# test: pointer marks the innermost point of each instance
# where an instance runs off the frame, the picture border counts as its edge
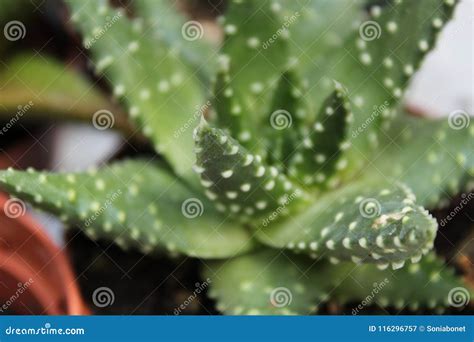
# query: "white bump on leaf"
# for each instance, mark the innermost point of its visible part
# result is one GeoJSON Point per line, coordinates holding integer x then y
{"type": "Point", "coordinates": [227, 173]}
{"type": "Point", "coordinates": [245, 187]}
{"type": "Point", "coordinates": [330, 244]}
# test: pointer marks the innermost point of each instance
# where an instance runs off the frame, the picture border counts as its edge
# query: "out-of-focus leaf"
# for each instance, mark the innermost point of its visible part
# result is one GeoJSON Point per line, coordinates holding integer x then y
{"type": "Point", "coordinates": [38, 87]}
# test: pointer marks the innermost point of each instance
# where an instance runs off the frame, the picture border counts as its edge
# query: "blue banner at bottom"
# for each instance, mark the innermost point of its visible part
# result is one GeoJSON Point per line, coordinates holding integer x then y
{"type": "Point", "coordinates": [245, 329]}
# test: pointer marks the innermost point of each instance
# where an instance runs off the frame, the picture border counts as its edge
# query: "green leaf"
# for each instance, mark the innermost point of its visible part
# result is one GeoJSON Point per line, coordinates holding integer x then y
{"type": "Point", "coordinates": [223, 103]}
{"type": "Point", "coordinates": [249, 285]}
{"type": "Point", "coordinates": [319, 156]}
{"type": "Point", "coordinates": [51, 90]}
{"type": "Point", "coordinates": [377, 61]}
{"type": "Point", "coordinates": [427, 285]}
{"type": "Point", "coordinates": [435, 158]}
{"type": "Point", "coordinates": [163, 95]}
{"type": "Point", "coordinates": [390, 45]}
{"type": "Point", "coordinates": [374, 222]}
{"type": "Point", "coordinates": [286, 117]}
{"type": "Point", "coordinates": [239, 181]}
{"type": "Point", "coordinates": [318, 29]}
{"type": "Point", "coordinates": [187, 37]}
{"type": "Point", "coordinates": [265, 283]}
{"type": "Point", "coordinates": [134, 203]}
{"type": "Point", "coordinates": [255, 63]}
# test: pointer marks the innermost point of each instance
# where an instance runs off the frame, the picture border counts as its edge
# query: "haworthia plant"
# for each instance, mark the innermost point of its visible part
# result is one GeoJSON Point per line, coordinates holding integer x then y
{"type": "Point", "coordinates": [301, 168]}
{"type": "Point", "coordinates": [270, 282]}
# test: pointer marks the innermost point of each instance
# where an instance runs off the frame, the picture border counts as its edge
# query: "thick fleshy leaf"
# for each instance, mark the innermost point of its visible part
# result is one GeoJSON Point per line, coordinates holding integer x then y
{"type": "Point", "coordinates": [256, 63]}
{"type": "Point", "coordinates": [319, 155]}
{"type": "Point", "coordinates": [134, 203]}
{"type": "Point", "coordinates": [374, 222]}
{"type": "Point", "coordinates": [377, 61]}
{"type": "Point", "coordinates": [318, 28]}
{"type": "Point", "coordinates": [391, 43]}
{"type": "Point", "coordinates": [46, 89]}
{"type": "Point", "coordinates": [227, 112]}
{"type": "Point", "coordinates": [286, 118]}
{"type": "Point", "coordinates": [238, 181]}
{"type": "Point", "coordinates": [270, 282]}
{"type": "Point", "coordinates": [429, 284]}
{"type": "Point", "coordinates": [435, 158]}
{"type": "Point", "coordinates": [265, 283]}
{"type": "Point", "coordinates": [162, 93]}
{"type": "Point", "coordinates": [186, 36]}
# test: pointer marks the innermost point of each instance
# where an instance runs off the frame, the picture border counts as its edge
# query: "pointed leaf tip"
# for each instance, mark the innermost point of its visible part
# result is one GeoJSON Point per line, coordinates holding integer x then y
{"type": "Point", "coordinates": [238, 181]}
{"type": "Point", "coordinates": [365, 222]}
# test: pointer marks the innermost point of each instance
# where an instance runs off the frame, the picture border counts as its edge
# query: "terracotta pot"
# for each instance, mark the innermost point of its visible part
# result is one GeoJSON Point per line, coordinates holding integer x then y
{"type": "Point", "coordinates": [35, 275]}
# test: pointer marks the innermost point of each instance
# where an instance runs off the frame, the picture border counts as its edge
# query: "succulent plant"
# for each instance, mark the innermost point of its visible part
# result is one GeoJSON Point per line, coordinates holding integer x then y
{"type": "Point", "coordinates": [284, 159]}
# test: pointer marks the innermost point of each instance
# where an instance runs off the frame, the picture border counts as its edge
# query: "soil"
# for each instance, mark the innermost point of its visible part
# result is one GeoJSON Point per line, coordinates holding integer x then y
{"type": "Point", "coordinates": [141, 284]}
